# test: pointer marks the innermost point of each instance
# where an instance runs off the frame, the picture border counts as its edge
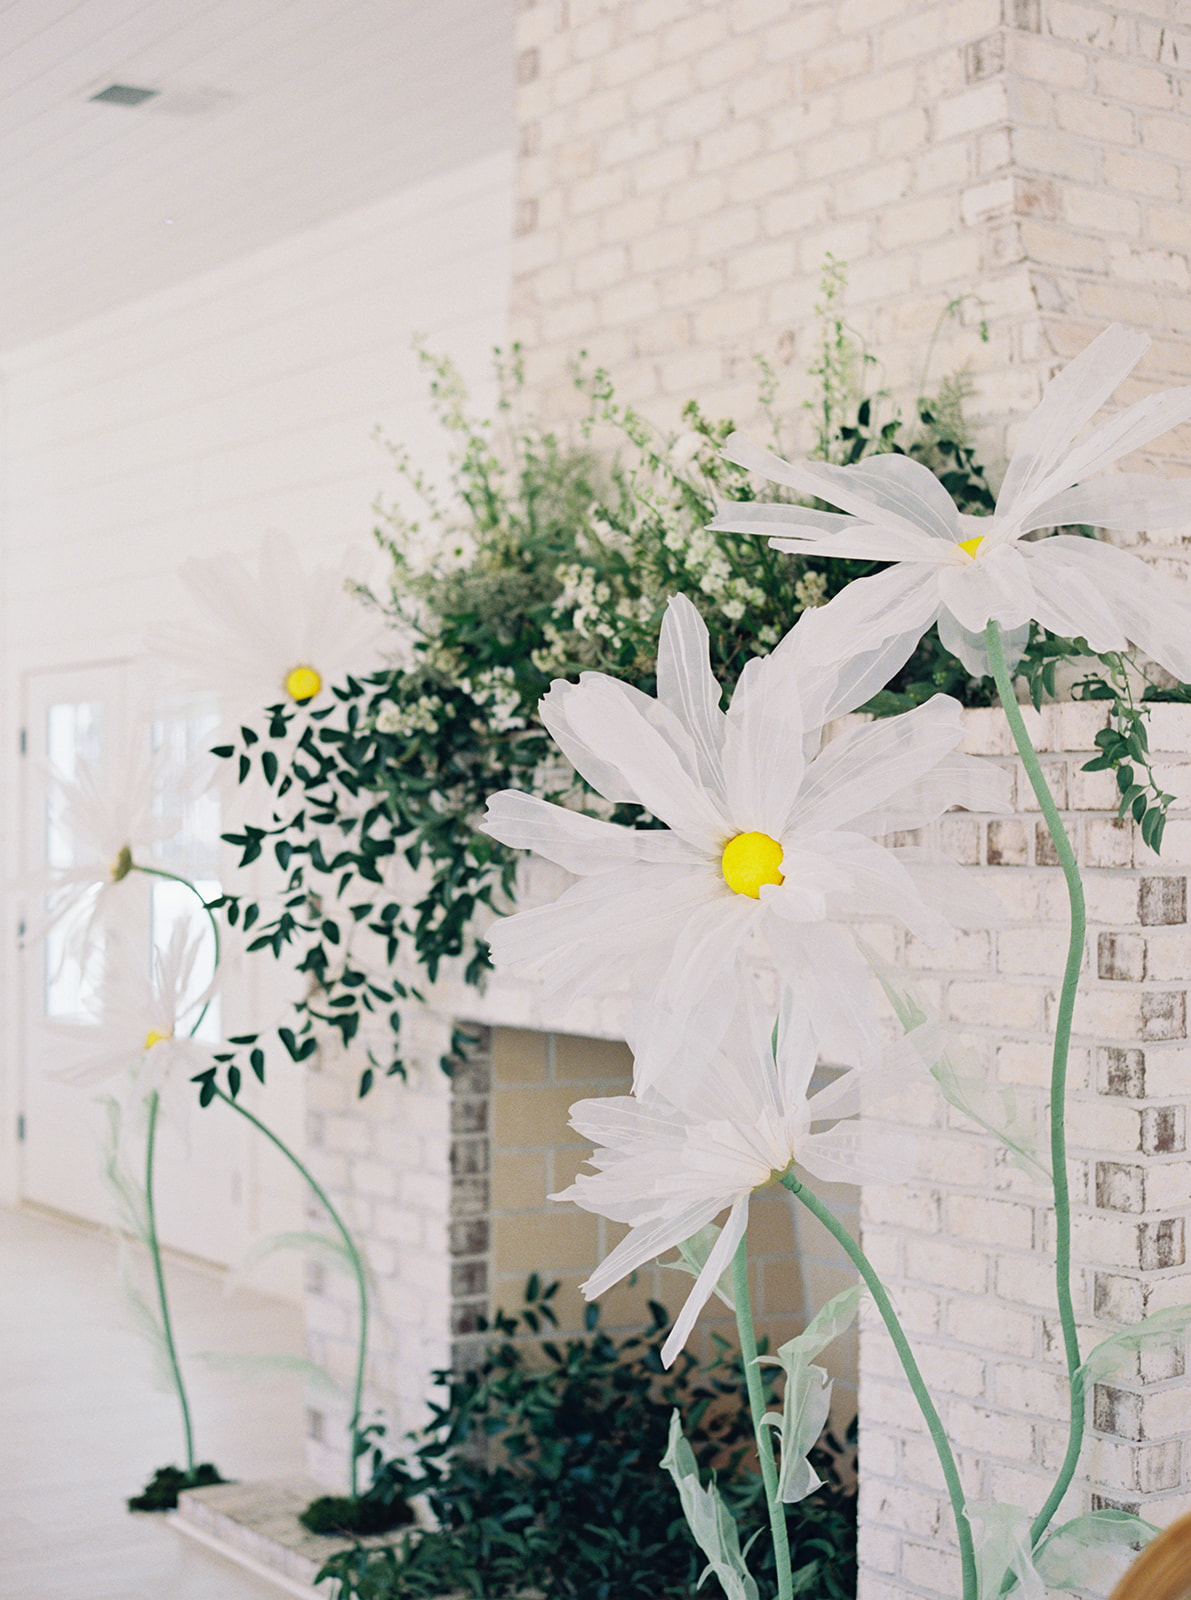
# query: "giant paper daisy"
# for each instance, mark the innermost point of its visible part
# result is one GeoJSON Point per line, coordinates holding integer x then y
{"type": "Point", "coordinates": [145, 1024]}
{"type": "Point", "coordinates": [102, 824]}
{"type": "Point", "coordinates": [964, 571]}
{"type": "Point", "coordinates": [669, 1162]}
{"type": "Point", "coordinates": [283, 634]}
{"type": "Point", "coordinates": [766, 845]}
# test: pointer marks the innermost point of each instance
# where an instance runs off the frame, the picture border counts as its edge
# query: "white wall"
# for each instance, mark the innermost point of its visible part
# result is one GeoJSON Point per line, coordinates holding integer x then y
{"type": "Point", "coordinates": [193, 421]}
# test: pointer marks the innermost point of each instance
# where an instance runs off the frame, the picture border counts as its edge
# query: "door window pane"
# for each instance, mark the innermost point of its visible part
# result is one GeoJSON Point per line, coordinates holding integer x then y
{"type": "Point", "coordinates": [72, 971]}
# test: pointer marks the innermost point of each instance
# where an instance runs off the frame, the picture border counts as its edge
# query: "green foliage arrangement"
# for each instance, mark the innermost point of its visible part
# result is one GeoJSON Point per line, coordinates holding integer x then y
{"type": "Point", "coordinates": [545, 561]}
{"type": "Point", "coordinates": [540, 1470]}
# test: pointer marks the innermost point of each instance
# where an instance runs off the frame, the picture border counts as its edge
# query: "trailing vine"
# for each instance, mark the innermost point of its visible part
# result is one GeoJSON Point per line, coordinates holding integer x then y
{"type": "Point", "coordinates": [547, 560]}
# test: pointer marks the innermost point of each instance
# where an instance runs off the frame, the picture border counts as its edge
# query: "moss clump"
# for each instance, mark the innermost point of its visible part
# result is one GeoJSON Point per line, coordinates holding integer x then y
{"type": "Point", "coordinates": [167, 1483]}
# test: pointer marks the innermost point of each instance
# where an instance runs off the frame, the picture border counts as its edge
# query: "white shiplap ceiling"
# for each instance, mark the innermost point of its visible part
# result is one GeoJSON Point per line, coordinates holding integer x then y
{"type": "Point", "coordinates": [272, 116]}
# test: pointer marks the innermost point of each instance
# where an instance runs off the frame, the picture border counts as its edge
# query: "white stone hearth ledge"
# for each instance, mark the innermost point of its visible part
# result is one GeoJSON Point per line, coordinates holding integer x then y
{"type": "Point", "coordinates": [256, 1526]}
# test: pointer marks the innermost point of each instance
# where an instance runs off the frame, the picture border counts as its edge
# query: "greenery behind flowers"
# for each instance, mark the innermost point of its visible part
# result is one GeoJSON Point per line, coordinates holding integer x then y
{"type": "Point", "coordinates": [545, 560]}
{"type": "Point", "coordinates": [540, 1470]}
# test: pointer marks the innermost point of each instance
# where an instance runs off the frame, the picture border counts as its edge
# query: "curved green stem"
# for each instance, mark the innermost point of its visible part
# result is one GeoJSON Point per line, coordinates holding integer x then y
{"type": "Point", "coordinates": [173, 877]}
{"type": "Point", "coordinates": [764, 1435]}
{"type": "Point", "coordinates": [1058, 1079]}
{"type": "Point", "coordinates": [876, 1288]}
{"type": "Point", "coordinates": [356, 1264]}
{"type": "Point", "coordinates": [154, 1106]}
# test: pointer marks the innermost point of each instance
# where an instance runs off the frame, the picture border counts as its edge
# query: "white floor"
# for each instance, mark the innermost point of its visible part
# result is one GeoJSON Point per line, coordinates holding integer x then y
{"type": "Point", "coordinates": [83, 1423]}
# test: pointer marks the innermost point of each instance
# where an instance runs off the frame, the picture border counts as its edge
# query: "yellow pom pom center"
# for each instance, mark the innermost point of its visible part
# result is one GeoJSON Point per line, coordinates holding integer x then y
{"type": "Point", "coordinates": [970, 546]}
{"type": "Point", "coordinates": [153, 1037]}
{"type": "Point", "coordinates": [302, 683]}
{"type": "Point", "coordinates": [750, 861]}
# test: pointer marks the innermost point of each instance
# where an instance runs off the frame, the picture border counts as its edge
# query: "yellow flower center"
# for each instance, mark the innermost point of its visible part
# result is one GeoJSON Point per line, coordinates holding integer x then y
{"type": "Point", "coordinates": [153, 1037]}
{"type": "Point", "coordinates": [302, 683]}
{"type": "Point", "coordinates": [970, 546]}
{"type": "Point", "coordinates": [750, 860]}
{"type": "Point", "coordinates": [121, 864]}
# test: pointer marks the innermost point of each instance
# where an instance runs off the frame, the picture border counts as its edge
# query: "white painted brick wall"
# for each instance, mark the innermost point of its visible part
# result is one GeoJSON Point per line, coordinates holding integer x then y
{"type": "Point", "coordinates": [961, 1238]}
{"type": "Point", "coordinates": [1033, 156]}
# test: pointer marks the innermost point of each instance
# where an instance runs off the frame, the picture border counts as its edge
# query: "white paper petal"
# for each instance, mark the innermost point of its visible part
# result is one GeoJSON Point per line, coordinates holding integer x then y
{"type": "Point", "coordinates": [763, 759]}
{"type": "Point", "coordinates": [1146, 609]}
{"type": "Point", "coordinates": [659, 767]}
{"type": "Point", "coordinates": [1068, 602]}
{"type": "Point", "coordinates": [847, 650]}
{"type": "Point", "coordinates": [1129, 502]}
{"type": "Point", "coordinates": [579, 843]}
{"type": "Point", "coordinates": [890, 491]}
{"type": "Point", "coordinates": [968, 647]}
{"type": "Point", "coordinates": [1119, 436]}
{"type": "Point", "coordinates": [716, 1264]}
{"type": "Point", "coordinates": [606, 933]}
{"type": "Point", "coordinates": [996, 585]}
{"type": "Point", "coordinates": [870, 766]}
{"type": "Point", "coordinates": [1069, 401]}
{"type": "Point", "coordinates": [779, 519]}
{"type": "Point", "coordinates": [957, 780]}
{"type": "Point", "coordinates": [687, 686]}
{"type": "Point", "coordinates": [599, 769]}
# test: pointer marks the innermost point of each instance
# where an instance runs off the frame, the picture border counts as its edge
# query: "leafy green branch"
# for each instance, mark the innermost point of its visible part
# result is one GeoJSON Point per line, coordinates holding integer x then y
{"type": "Point", "coordinates": [1124, 748]}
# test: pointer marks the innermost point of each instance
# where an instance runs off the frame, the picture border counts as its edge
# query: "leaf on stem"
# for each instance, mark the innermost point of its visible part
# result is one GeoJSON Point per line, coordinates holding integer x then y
{"type": "Point", "coordinates": [807, 1397]}
{"type": "Point", "coordinates": [1001, 1540]}
{"type": "Point", "coordinates": [712, 1525]}
{"type": "Point", "coordinates": [1091, 1551]}
{"type": "Point", "coordinates": [694, 1252]}
{"type": "Point", "coordinates": [1114, 1353]}
{"type": "Point", "coordinates": [957, 1072]}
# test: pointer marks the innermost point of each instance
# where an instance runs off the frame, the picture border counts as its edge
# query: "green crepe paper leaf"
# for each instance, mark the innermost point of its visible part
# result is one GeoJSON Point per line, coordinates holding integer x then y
{"type": "Point", "coordinates": [807, 1397]}
{"type": "Point", "coordinates": [1112, 1354]}
{"type": "Point", "coordinates": [711, 1523]}
{"type": "Point", "coordinates": [1001, 1541]}
{"type": "Point", "coordinates": [694, 1252]}
{"type": "Point", "coordinates": [275, 1365]}
{"type": "Point", "coordinates": [132, 1204]}
{"type": "Point", "coordinates": [129, 1195]}
{"type": "Point", "coordinates": [957, 1071]}
{"type": "Point", "coordinates": [299, 1239]}
{"type": "Point", "coordinates": [994, 1108]}
{"type": "Point", "coordinates": [1092, 1551]}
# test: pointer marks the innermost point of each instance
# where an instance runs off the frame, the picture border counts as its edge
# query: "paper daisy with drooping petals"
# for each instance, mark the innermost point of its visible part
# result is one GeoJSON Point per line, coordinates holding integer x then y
{"type": "Point", "coordinates": [668, 1162]}
{"type": "Point", "coordinates": [282, 635]}
{"type": "Point", "coordinates": [145, 1027]}
{"type": "Point", "coordinates": [766, 845]}
{"type": "Point", "coordinates": [964, 571]}
{"type": "Point", "coordinates": [101, 825]}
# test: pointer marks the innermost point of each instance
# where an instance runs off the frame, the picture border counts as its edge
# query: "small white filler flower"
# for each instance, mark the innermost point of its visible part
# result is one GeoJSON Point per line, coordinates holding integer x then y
{"type": "Point", "coordinates": [279, 635]}
{"type": "Point", "coordinates": [964, 571]}
{"type": "Point", "coordinates": [668, 1163]}
{"type": "Point", "coordinates": [766, 844]}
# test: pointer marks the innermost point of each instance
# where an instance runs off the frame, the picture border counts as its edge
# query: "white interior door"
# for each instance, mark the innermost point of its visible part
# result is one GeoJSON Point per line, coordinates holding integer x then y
{"type": "Point", "coordinates": [82, 716]}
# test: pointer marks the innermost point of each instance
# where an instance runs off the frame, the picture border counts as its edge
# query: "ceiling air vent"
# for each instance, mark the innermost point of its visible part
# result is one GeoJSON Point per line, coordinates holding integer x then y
{"type": "Point", "coordinates": [123, 94]}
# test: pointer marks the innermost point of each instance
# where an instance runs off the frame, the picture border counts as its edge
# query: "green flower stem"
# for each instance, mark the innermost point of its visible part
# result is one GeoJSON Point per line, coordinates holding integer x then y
{"type": "Point", "coordinates": [173, 877]}
{"type": "Point", "coordinates": [356, 1264]}
{"type": "Point", "coordinates": [154, 1107]}
{"type": "Point", "coordinates": [764, 1435]}
{"type": "Point", "coordinates": [934, 1423]}
{"type": "Point", "coordinates": [1058, 1079]}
